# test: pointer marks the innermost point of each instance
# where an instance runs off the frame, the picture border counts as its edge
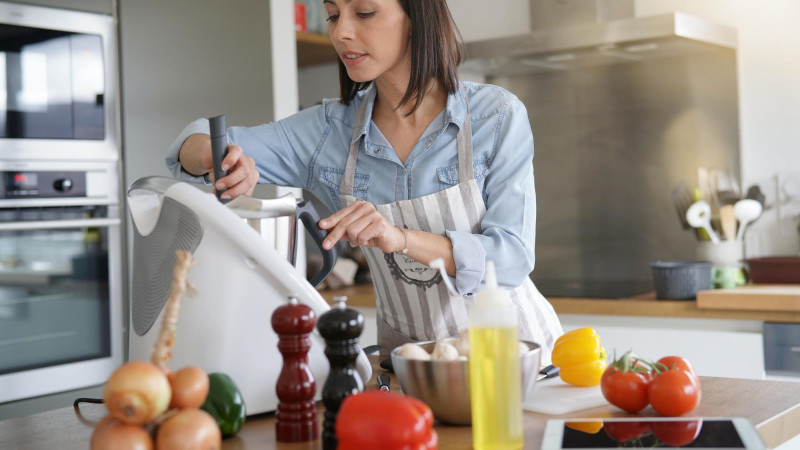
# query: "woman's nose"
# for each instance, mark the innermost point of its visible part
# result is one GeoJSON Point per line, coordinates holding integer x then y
{"type": "Point", "coordinates": [342, 29]}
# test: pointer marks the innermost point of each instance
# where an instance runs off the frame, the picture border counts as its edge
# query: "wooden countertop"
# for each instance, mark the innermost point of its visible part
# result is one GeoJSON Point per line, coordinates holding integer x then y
{"type": "Point", "coordinates": [775, 308]}
{"type": "Point", "coordinates": [773, 407]}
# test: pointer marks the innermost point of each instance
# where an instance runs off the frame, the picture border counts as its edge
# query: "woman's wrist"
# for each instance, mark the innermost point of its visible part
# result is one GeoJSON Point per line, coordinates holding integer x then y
{"type": "Point", "coordinates": [404, 247]}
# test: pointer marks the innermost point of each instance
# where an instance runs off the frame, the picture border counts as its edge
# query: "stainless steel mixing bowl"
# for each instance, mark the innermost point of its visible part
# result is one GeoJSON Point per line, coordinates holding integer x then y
{"type": "Point", "coordinates": [444, 385]}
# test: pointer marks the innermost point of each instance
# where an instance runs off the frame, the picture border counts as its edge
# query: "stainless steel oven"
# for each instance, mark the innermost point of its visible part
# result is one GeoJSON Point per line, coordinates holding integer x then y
{"type": "Point", "coordinates": [61, 323]}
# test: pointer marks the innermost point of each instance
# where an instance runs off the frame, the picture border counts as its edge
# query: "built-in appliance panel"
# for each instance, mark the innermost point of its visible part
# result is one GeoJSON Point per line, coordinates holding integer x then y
{"type": "Point", "coordinates": [782, 348]}
{"type": "Point", "coordinates": [59, 71]}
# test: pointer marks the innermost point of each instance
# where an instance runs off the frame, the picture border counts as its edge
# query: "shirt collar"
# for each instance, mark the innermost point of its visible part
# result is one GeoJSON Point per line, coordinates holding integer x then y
{"type": "Point", "coordinates": [455, 111]}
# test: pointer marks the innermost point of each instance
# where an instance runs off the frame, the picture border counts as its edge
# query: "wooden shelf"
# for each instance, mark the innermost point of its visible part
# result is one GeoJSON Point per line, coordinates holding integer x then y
{"type": "Point", "coordinates": [314, 48]}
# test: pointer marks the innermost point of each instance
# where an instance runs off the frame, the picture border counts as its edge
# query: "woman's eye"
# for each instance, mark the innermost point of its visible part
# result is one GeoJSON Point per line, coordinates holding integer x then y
{"type": "Point", "coordinates": [366, 14]}
{"type": "Point", "coordinates": [333, 17]}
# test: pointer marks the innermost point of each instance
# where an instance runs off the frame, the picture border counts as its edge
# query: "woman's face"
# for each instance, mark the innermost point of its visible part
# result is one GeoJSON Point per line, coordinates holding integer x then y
{"type": "Point", "coordinates": [371, 37]}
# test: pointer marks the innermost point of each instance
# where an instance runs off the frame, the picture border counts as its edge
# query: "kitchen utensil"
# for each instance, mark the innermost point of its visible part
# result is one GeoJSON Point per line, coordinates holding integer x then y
{"type": "Point", "coordinates": [746, 211]}
{"type": "Point", "coordinates": [444, 385]}
{"type": "Point", "coordinates": [678, 280]}
{"type": "Point", "coordinates": [384, 382]}
{"type": "Point", "coordinates": [682, 198]}
{"type": "Point", "coordinates": [754, 193]}
{"type": "Point", "coordinates": [727, 220]}
{"type": "Point", "coordinates": [386, 364]}
{"type": "Point", "coordinates": [219, 148]}
{"type": "Point", "coordinates": [239, 278]}
{"type": "Point", "coordinates": [699, 216]}
{"type": "Point", "coordinates": [548, 372]}
{"type": "Point", "coordinates": [555, 397]}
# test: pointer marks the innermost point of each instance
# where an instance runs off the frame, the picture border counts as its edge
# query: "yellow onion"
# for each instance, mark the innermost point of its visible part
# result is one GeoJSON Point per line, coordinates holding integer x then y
{"type": "Point", "coordinates": [189, 387]}
{"type": "Point", "coordinates": [189, 429]}
{"type": "Point", "coordinates": [137, 392]}
{"type": "Point", "coordinates": [111, 434]}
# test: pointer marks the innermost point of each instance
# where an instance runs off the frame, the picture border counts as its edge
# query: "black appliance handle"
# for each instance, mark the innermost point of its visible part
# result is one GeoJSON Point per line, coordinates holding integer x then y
{"type": "Point", "coordinates": [308, 214]}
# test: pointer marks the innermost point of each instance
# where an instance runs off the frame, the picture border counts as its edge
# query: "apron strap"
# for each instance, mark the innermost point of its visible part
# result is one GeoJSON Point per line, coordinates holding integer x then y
{"type": "Point", "coordinates": [349, 175]}
{"type": "Point", "coordinates": [464, 142]}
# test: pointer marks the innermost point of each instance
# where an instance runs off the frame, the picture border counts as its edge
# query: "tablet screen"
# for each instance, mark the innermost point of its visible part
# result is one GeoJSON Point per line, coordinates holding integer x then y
{"type": "Point", "coordinates": [652, 432]}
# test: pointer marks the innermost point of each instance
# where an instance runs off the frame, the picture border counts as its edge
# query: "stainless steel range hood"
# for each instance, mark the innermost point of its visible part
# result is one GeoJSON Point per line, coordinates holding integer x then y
{"type": "Point", "coordinates": [567, 35]}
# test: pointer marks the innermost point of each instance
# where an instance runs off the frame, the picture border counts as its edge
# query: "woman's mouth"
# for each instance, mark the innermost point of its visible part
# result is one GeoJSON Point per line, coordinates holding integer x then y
{"type": "Point", "coordinates": [352, 58]}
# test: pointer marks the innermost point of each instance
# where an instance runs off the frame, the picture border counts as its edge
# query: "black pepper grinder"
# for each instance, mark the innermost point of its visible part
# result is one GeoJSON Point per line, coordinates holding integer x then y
{"type": "Point", "coordinates": [341, 327]}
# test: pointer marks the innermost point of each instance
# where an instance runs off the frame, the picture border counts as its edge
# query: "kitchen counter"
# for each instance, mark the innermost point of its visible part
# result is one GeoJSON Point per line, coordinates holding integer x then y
{"type": "Point", "coordinates": [773, 407]}
{"type": "Point", "coordinates": [646, 304]}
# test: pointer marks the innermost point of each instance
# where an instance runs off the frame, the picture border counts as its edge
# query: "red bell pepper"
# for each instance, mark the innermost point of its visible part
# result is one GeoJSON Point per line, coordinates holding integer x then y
{"type": "Point", "coordinates": [376, 419]}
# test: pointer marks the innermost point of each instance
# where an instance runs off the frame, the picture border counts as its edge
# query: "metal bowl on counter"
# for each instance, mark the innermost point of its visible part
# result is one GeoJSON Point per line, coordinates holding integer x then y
{"type": "Point", "coordinates": [444, 385]}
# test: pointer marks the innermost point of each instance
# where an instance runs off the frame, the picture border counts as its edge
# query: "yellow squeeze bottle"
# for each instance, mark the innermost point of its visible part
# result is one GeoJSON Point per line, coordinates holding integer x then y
{"type": "Point", "coordinates": [495, 383]}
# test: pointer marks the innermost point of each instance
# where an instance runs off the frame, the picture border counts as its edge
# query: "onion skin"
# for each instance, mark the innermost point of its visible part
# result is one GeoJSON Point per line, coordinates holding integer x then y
{"type": "Point", "coordinates": [111, 434]}
{"type": "Point", "coordinates": [189, 387]}
{"type": "Point", "coordinates": [190, 429]}
{"type": "Point", "coordinates": [137, 392]}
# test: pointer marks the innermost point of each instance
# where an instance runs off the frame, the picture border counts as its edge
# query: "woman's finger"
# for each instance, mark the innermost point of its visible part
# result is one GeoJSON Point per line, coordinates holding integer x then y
{"type": "Point", "coordinates": [242, 179]}
{"type": "Point", "coordinates": [337, 223]}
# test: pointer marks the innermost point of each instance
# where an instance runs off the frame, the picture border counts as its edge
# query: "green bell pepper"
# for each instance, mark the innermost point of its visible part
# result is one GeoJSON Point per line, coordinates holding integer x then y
{"type": "Point", "coordinates": [225, 404]}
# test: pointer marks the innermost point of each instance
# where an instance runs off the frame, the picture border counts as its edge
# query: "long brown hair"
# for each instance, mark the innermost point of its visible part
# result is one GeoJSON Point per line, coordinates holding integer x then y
{"type": "Point", "coordinates": [435, 53]}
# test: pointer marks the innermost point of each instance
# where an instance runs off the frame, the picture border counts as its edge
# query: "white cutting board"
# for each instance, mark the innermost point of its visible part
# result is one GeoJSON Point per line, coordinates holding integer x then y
{"type": "Point", "coordinates": [554, 397]}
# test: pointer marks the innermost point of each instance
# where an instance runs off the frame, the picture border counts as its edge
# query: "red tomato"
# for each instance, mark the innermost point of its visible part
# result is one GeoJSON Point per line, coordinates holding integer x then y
{"type": "Point", "coordinates": [677, 433]}
{"type": "Point", "coordinates": [625, 431]}
{"type": "Point", "coordinates": [677, 362]}
{"type": "Point", "coordinates": [625, 389]}
{"type": "Point", "coordinates": [674, 392]}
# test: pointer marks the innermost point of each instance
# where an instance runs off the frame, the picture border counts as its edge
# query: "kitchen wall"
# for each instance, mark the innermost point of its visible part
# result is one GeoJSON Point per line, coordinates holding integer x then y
{"type": "Point", "coordinates": [769, 102]}
{"type": "Point", "coordinates": [769, 99]}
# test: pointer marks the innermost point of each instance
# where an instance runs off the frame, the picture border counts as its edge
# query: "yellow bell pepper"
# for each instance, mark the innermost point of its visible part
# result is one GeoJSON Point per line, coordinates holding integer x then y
{"type": "Point", "coordinates": [586, 427]}
{"type": "Point", "coordinates": [580, 357]}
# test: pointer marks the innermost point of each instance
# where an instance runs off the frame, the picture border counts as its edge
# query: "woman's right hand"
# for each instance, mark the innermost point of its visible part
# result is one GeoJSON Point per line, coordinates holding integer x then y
{"type": "Point", "coordinates": [195, 157]}
{"type": "Point", "coordinates": [242, 175]}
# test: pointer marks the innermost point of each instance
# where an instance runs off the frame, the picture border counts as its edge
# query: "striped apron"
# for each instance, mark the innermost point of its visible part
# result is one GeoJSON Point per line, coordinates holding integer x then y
{"type": "Point", "coordinates": [413, 303]}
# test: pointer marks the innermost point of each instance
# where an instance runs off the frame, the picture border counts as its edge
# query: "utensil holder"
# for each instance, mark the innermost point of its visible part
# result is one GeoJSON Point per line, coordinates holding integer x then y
{"type": "Point", "coordinates": [723, 254]}
{"type": "Point", "coordinates": [728, 260]}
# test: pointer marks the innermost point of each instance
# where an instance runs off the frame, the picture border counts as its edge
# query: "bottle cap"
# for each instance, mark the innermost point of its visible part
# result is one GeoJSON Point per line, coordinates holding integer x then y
{"type": "Point", "coordinates": [492, 296]}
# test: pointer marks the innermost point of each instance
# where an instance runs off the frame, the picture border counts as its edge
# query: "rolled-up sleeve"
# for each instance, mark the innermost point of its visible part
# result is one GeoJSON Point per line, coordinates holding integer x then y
{"type": "Point", "coordinates": [199, 126]}
{"type": "Point", "coordinates": [508, 229]}
{"type": "Point", "coordinates": [282, 150]}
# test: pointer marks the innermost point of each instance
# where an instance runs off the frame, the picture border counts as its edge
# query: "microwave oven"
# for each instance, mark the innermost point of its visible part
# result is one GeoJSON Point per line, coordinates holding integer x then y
{"type": "Point", "coordinates": [58, 85]}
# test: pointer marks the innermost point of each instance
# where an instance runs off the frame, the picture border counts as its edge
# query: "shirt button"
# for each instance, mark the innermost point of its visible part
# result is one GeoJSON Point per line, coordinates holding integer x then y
{"type": "Point", "coordinates": [377, 151]}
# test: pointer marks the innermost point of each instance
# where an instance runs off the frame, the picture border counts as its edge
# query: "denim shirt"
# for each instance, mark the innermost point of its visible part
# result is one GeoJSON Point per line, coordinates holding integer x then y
{"type": "Point", "coordinates": [309, 150]}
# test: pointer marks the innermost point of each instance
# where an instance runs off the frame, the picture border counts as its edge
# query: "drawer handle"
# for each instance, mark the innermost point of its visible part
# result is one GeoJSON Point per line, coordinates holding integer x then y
{"type": "Point", "coordinates": [795, 349]}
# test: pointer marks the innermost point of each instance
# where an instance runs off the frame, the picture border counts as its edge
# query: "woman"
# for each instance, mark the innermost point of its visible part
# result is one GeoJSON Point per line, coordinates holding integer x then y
{"type": "Point", "coordinates": [417, 165]}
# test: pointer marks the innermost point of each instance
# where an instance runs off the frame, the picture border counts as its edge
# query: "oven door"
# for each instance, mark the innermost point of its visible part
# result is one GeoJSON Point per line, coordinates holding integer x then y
{"type": "Point", "coordinates": [60, 298]}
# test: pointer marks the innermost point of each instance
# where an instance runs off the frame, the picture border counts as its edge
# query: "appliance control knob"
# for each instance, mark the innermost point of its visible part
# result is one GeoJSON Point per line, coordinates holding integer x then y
{"type": "Point", "coordinates": [63, 184]}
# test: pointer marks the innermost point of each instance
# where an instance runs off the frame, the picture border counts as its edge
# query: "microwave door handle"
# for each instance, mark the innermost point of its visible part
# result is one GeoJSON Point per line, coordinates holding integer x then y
{"type": "Point", "coordinates": [58, 224]}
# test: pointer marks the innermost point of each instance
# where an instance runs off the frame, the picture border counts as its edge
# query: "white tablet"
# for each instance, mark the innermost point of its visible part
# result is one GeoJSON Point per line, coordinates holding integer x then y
{"type": "Point", "coordinates": [681, 432]}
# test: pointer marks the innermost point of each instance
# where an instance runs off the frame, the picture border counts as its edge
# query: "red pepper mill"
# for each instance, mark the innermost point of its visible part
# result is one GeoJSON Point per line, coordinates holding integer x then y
{"type": "Point", "coordinates": [297, 415]}
{"type": "Point", "coordinates": [341, 327]}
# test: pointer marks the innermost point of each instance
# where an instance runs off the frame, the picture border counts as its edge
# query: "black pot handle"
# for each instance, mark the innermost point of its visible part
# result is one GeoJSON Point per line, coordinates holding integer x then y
{"type": "Point", "coordinates": [308, 214]}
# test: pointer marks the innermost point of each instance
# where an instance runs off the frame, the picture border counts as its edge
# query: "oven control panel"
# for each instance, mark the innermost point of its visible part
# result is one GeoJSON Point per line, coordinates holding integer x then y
{"type": "Point", "coordinates": [42, 184]}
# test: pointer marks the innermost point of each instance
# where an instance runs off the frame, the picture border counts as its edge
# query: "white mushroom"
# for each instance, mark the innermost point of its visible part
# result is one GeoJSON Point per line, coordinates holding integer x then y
{"type": "Point", "coordinates": [444, 351]}
{"type": "Point", "coordinates": [413, 351]}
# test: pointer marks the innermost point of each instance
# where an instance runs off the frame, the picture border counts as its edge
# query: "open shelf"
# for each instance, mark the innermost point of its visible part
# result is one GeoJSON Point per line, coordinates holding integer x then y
{"type": "Point", "coordinates": [314, 48]}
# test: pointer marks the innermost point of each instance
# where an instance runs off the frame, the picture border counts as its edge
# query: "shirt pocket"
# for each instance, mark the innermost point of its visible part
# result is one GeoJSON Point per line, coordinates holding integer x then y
{"type": "Point", "coordinates": [331, 178]}
{"type": "Point", "coordinates": [448, 175]}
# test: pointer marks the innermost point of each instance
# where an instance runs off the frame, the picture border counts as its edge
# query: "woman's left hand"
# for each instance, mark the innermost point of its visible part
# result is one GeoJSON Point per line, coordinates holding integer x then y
{"type": "Point", "coordinates": [362, 224]}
